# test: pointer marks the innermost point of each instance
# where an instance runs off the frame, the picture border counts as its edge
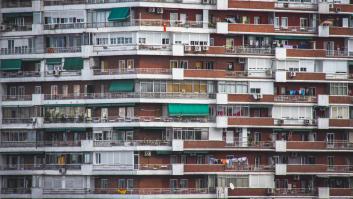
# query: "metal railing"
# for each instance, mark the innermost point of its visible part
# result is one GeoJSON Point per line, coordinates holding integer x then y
{"type": "Point", "coordinates": [20, 51]}
{"type": "Point", "coordinates": [295, 122]}
{"type": "Point", "coordinates": [127, 95]}
{"type": "Point", "coordinates": [296, 5]}
{"type": "Point", "coordinates": [109, 143]}
{"type": "Point", "coordinates": [13, 27]}
{"type": "Point", "coordinates": [251, 144]}
{"type": "Point", "coordinates": [112, 119]}
{"type": "Point", "coordinates": [19, 190]}
{"type": "Point", "coordinates": [334, 145]}
{"type": "Point", "coordinates": [16, 4]}
{"type": "Point", "coordinates": [247, 50]}
{"type": "Point", "coordinates": [294, 192]}
{"type": "Point", "coordinates": [234, 166]}
{"type": "Point", "coordinates": [134, 22]}
{"type": "Point", "coordinates": [294, 29]}
{"type": "Point", "coordinates": [41, 143]}
{"type": "Point", "coordinates": [73, 49]}
{"type": "Point", "coordinates": [125, 47]}
{"type": "Point", "coordinates": [295, 98]}
{"type": "Point", "coordinates": [338, 53]}
{"type": "Point", "coordinates": [321, 168]}
{"type": "Point", "coordinates": [122, 71]}
{"type": "Point", "coordinates": [40, 167]}
{"type": "Point", "coordinates": [71, 2]}
{"type": "Point", "coordinates": [17, 120]}
{"type": "Point", "coordinates": [152, 191]}
{"type": "Point", "coordinates": [16, 97]}
{"type": "Point", "coordinates": [10, 74]}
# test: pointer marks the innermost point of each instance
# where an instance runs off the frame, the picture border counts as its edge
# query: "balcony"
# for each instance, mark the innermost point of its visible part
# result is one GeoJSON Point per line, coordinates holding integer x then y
{"type": "Point", "coordinates": [294, 192]}
{"type": "Point", "coordinates": [132, 95]}
{"type": "Point", "coordinates": [240, 4]}
{"type": "Point", "coordinates": [251, 28]}
{"type": "Point", "coordinates": [39, 167]}
{"type": "Point", "coordinates": [17, 120]}
{"type": "Point", "coordinates": [133, 47]}
{"type": "Point", "coordinates": [250, 98]}
{"type": "Point", "coordinates": [339, 53]}
{"type": "Point", "coordinates": [16, 3]}
{"type": "Point", "coordinates": [250, 121]}
{"type": "Point", "coordinates": [341, 192]}
{"type": "Point", "coordinates": [340, 99]}
{"type": "Point", "coordinates": [295, 99]}
{"type": "Point", "coordinates": [72, 2]}
{"type": "Point", "coordinates": [74, 49]}
{"type": "Point", "coordinates": [248, 192]}
{"type": "Point", "coordinates": [239, 50]}
{"type": "Point", "coordinates": [206, 73]}
{"type": "Point", "coordinates": [132, 167]}
{"type": "Point", "coordinates": [47, 143]}
{"type": "Point", "coordinates": [20, 51]}
{"type": "Point", "coordinates": [342, 7]}
{"type": "Point", "coordinates": [296, 6]}
{"type": "Point", "coordinates": [154, 191]}
{"type": "Point", "coordinates": [117, 119]}
{"type": "Point", "coordinates": [134, 22]}
{"type": "Point", "coordinates": [341, 123]}
{"type": "Point", "coordinates": [16, 97]}
{"type": "Point", "coordinates": [17, 74]}
{"type": "Point", "coordinates": [296, 30]}
{"type": "Point", "coordinates": [319, 145]}
{"type": "Point", "coordinates": [295, 122]}
{"type": "Point", "coordinates": [341, 31]}
{"type": "Point", "coordinates": [319, 168]}
{"type": "Point", "coordinates": [16, 28]}
{"type": "Point", "coordinates": [212, 144]}
{"type": "Point", "coordinates": [15, 190]}
{"type": "Point", "coordinates": [112, 143]}
{"type": "Point", "coordinates": [235, 167]}
{"type": "Point", "coordinates": [298, 52]}
{"type": "Point", "coordinates": [117, 71]}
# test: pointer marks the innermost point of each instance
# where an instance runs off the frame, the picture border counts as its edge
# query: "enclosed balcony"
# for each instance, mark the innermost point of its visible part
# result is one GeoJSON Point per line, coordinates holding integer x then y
{"type": "Point", "coordinates": [16, 3]}
{"type": "Point", "coordinates": [197, 168]}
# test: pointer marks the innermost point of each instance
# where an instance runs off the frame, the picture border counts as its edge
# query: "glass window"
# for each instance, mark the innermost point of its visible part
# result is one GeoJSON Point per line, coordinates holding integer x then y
{"type": "Point", "coordinates": [339, 89]}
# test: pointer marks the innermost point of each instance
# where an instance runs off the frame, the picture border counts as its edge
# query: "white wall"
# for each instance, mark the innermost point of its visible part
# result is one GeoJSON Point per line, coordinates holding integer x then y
{"type": "Point", "coordinates": [293, 112]}
{"type": "Point", "coordinates": [266, 87]}
{"type": "Point", "coordinates": [330, 66]}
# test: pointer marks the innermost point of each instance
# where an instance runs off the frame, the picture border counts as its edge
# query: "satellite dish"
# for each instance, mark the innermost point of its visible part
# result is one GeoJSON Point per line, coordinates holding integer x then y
{"type": "Point", "coordinates": [231, 185]}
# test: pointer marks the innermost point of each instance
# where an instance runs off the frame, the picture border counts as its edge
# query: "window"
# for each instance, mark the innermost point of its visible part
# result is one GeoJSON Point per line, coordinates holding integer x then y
{"type": "Point", "coordinates": [208, 65]}
{"type": "Point", "coordinates": [232, 87]}
{"type": "Point", "coordinates": [37, 89]}
{"type": "Point", "coordinates": [183, 64]}
{"type": "Point", "coordinates": [257, 20]}
{"type": "Point", "coordinates": [122, 64]}
{"type": "Point", "coordinates": [339, 89]}
{"type": "Point", "coordinates": [142, 40]}
{"type": "Point", "coordinates": [339, 112]}
{"type": "Point", "coordinates": [65, 90]}
{"type": "Point", "coordinates": [173, 63]}
{"type": "Point", "coordinates": [122, 184]}
{"type": "Point", "coordinates": [165, 41]}
{"type": "Point", "coordinates": [233, 111]}
{"type": "Point", "coordinates": [102, 41]}
{"type": "Point", "coordinates": [98, 156]}
{"type": "Point", "coordinates": [255, 90]}
{"type": "Point", "coordinates": [103, 183]}
{"type": "Point", "coordinates": [284, 22]}
{"type": "Point", "coordinates": [184, 183]}
{"type": "Point", "coordinates": [173, 184]}
{"type": "Point", "coordinates": [130, 64]}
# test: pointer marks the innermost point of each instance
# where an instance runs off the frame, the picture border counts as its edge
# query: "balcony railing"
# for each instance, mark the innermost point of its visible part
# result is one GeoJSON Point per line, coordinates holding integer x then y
{"type": "Point", "coordinates": [71, 2]}
{"type": "Point", "coordinates": [249, 50]}
{"type": "Point", "coordinates": [15, 190]}
{"type": "Point", "coordinates": [294, 192]}
{"type": "Point", "coordinates": [40, 167]}
{"type": "Point", "coordinates": [12, 27]}
{"type": "Point", "coordinates": [129, 167]}
{"type": "Point", "coordinates": [119, 71]}
{"type": "Point", "coordinates": [135, 22]}
{"type": "Point", "coordinates": [73, 49]}
{"type": "Point", "coordinates": [295, 122]}
{"type": "Point", "coordinates": [153, 191]}
{"type": "Point", "coordinates": [296, 29]}
{"type": "Point", "coordinates": [16, 97]}
{"type": "Point", "coordinates": [295, 98]}
{"type": "Point", "coordinates": [319, 168]}
{"type": "Point", "coordinates": [110, 143]}
{"type": "Point", "coordinates": [251, 144]}
{"type": "Point", "coordinates": [112, 119]}
{"type": "Point", "coordinates": [19, 51]}
{"type": "Point", "coordinates": [338, 53]}
{"type": "Point", "coordinates": [320, 145]}
{"type": "Point", "coordinates": [235, 166]}
{"type": "Point", "coordinates": [127, 95]}
{"type": "Point", "coordinates": [17, 120]}
{"type": "Point", "coordinates": [147, 47]}
{"type": "Point", "coordinates": [9, 74]}
{"type": "Point", "coordinates": [16, 4]}
{"type": "Point", "coordinates": [296, 5]}
{"type": "Point", "coordinates": [68, 143]}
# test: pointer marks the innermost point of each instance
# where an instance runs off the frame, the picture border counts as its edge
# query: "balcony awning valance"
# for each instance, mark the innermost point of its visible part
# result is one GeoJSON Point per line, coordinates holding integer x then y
{"type": "Point", "coordinates": [292, 38]}
{"type": "Point", "coordinates": [119, 14]}
{"type": "Point", "coordinates": [10, 64]}
{"type": "Point", "coordinates": [53, 61]}
{"type": "Point", "coordinates": [188, 109]}
{"type": "Point", "coordinates": [66, 129]}
{"type": "Point", "coordinates": [122, 86]}
{"type": "Point", "coordinates": [73, 63]}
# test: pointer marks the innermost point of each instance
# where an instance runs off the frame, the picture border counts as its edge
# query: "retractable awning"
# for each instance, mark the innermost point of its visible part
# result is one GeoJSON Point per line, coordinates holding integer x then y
{"type": "Point", "coordinates": [73, 63]}
{"type": "Point", "coordinates": [53, 61]}
{"type": "Point", "coordinates": [10, 64]}
{"type": "Point", "coordinates": [119, 14]}
{"type": "Point", "coordinates": [122, 86]}
{"type": "Point", "coordinates": [188, 109]}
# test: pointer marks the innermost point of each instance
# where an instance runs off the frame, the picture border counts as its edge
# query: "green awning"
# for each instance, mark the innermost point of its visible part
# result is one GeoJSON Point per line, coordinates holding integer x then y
{"type": "Point", "coordinates": [66, 129]}
{"type": "Point", "coordinates": [10, 64]}
{"type": "Point", "coordinates": [53, 61]}
{"type": "Point", "coordinates": [122, 86]}
{"type": "Point", "coordinates": [292, 38]}
{"type": "Point", "coordinates": [73, 63]}
{"type": "Point", "coordinates": [188, 109]}
{"type": "Point", "coordinates": [64, 105]}
{"type": "Point", "coordinates": [119, 14]}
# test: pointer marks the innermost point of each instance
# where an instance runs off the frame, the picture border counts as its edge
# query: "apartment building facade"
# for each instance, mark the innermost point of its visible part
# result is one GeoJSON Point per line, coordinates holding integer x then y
{"type": "Point", "coordinates": [176, 99]}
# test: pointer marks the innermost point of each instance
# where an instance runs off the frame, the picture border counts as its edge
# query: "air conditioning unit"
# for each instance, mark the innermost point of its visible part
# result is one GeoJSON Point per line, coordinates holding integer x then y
{"type": "Point", "coordinates": [147, 153]}
{"type": "Point", "coordinates": [280, 122]}
{"type": "Point", "coordinates": [205, 48]}
{"type": "Point", "coordinates": [205, 1]}
{"type": "Point", "coordinates": [292, 74]}
{"type": "Point", "coordinates": [56, 72]}
{"type": "Point", "coordinates": [338, 10]}
{"type": "Point", "coordinates": [241, 60]}
{"type": "Point", "coordinates": [151, 10]}
{"type": "Point", "coordinates": [62, 170]}
{"type": "Point", "coordinates": [197, 48]}
{"type": "Point", "coordinates": [297, 178]}
{"type": "Point", "coordinates": [159, 10]}
{"type": "Point", "coordinates": [187, 48]}
{"type": "Point", "coordinates": [2, 27]}
{"type": "Point", "coordinates": [306, 122]}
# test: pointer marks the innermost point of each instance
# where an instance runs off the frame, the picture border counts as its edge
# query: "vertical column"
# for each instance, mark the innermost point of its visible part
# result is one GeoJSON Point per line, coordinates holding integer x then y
{"type": "Point", "coordinates": [205, 18]}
